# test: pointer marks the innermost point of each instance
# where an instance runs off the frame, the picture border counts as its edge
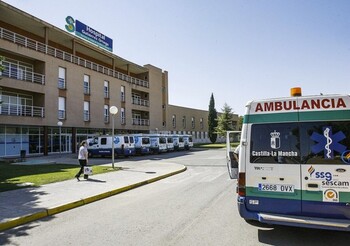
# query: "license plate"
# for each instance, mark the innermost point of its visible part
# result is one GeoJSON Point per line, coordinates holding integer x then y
{"type": "Point", "coordinates": [276, 188]}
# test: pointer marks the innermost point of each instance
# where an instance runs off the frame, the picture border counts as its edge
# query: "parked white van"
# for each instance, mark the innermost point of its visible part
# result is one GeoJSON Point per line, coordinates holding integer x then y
{"type": "Point", "coordinates": [188, 142]}
{"type": "Point", "coordinates": [142, 144]}
{"type": "Point", "coordinates": [102, 145]}
{"type": "Point", "coordinates": [169, 143]}
{"type": "Point", "coordinates": [178, 142]}
{"type": "Point", "coordinates": [158, 143]}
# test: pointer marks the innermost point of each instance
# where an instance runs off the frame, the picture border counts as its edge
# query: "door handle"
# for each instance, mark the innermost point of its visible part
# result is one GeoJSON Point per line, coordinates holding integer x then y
{"type": "Point", "coordinates": [312, 185]}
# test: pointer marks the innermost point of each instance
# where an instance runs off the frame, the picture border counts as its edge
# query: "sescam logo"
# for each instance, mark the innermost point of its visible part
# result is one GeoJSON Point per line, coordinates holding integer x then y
{"type": "Point", "coordinates": [326, 103]}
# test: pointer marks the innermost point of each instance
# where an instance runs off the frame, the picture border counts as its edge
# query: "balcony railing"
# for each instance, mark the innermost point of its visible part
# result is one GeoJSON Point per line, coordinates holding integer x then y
{"type": "Point", "coordinates": [139, 101]}
{"type": "Point", "coordinates": [21, 110]}
{"type": "Point", "coordinates": [14, 71]}
{"type": "Point", "coordinates": [43, 48]}
{"type": "Point", "coordinates": [140, 122]}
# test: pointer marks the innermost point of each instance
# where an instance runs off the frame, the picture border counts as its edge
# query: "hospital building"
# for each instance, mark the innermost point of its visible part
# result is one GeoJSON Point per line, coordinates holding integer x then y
{"type": "Point", "coordinates": [58, 85]}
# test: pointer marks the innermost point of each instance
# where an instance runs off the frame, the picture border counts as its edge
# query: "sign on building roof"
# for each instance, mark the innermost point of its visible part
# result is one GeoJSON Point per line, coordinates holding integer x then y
{"type": "Point", "coordinates": [88, 33]}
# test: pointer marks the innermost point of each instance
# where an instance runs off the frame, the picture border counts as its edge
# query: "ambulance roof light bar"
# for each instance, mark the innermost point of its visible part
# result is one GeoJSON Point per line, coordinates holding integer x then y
{"type": "Point", "coordinates": [295, 92]}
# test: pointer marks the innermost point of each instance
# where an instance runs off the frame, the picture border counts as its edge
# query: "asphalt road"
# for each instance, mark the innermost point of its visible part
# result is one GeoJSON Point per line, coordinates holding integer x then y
{"type": "Point", "coordinates": [197, 207]}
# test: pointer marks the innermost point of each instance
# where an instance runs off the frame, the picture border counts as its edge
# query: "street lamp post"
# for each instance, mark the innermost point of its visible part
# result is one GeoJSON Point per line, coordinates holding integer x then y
{"type": "Point", "coordinates": [59, 124]}
{"type": "Point", "coordinates": [113, 110]}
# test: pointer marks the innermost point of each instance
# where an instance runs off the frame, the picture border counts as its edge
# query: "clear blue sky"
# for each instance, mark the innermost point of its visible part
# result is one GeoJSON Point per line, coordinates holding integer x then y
{"type": "Point", "coordinates": [239, 50]}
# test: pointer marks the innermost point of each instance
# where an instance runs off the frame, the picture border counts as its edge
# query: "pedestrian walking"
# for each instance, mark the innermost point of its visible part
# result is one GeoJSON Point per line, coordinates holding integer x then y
{"type": "Point", "coordinates": [83, 159]}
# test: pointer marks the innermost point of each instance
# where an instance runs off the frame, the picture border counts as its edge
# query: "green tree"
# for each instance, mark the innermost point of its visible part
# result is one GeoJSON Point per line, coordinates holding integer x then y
{"type": "Point", "coordinates": [212, 120]}
{"type": "Point", "coordinates": [240, 122]}
{"type": "Point", "coordinates": [224, 121]}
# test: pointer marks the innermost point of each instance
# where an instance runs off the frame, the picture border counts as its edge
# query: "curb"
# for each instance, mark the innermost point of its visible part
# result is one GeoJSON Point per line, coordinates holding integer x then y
{"type": "Point", "coordinates": [61, 208]}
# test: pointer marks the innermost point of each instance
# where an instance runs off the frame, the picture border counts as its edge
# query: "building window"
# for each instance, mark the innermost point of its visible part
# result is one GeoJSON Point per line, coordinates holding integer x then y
{"type": "Point", "coordinates": [184, 121]}
{"type": "Point", "coordinates": [106, 113]}
{"type": "Point", "coordinates": [106, 89]}
{"type": "Point", "coordinates": [86, 84]}
{"type": "Point", "coordinates": [193, 122]}
{"type": "Point", "coordinates": [174, 121]}
{"type": "Point", "coordinates": [61, 108]}
{"type": "Point", "coordinates": [201, 123]}
{"type": "Point", "coordinates": [61, 78]}
{"type": "Point", "coordinates": [122, 93]}
{"type": "Point", "coordinates": [122, 116]}
{"type": "Point", "coordinates": [86, 111]}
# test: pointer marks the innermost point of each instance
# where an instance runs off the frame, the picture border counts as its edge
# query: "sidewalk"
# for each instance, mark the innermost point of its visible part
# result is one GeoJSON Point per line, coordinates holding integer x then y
{"type": "Point", "coordinates": [21, 206]}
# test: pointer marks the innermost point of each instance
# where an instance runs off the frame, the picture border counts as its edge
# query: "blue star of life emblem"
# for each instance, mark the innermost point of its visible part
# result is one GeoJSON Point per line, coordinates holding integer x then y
{"type": "Point", "coordinates": [328, 142]}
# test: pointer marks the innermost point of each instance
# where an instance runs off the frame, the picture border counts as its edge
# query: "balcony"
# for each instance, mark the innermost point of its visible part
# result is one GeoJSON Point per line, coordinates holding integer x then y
{"type": "Point", "coordinates": [21, 110]}
{"type": "Point", "coordinates": [141, 102]}
{"type": "Point", "coordinates": [14, 71]}
{"type": "Point", "coordinates": [43, 48]}
{"type": "Point", "coordinates": [140, 122]}
{"type": "Point", "coordinates": [19, 106]}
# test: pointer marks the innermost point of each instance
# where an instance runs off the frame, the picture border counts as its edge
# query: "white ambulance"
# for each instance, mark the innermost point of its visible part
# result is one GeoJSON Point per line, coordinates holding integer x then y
{"type": "Point", "coordinates": [158, 143]}
{"type": "Point", "coordinates": [102, 145]}
{"type": "Point", "coordinates": [294, 161]}
{"type": "Point", "coordinates": [178, 141]}
{"type": "Point", "coordinates": [188, 142]}
{"type": "Point", "coordinates": [142, 144]}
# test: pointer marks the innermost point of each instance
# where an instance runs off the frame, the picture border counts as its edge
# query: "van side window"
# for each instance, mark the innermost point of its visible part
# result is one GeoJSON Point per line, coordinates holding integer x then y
{"type": "Point", "coordinates": [126, 139]}
{"type": "Point", "coordinates": [325, 142]}
{"type": "Point", "coordinates": [131, 139]}
{"type": "Point", "coordinates": [95, 141]}
{"type": "Point", "coordinates": [103, 141]}
{"type": "Point", "coordinates": [145, 140]}
{"type": "Point", "coordinates": [275, 143]}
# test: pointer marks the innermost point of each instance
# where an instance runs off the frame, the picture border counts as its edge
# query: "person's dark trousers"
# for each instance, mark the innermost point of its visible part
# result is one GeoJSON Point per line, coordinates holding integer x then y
{"type": "Point", "coordinates": [82, 165]}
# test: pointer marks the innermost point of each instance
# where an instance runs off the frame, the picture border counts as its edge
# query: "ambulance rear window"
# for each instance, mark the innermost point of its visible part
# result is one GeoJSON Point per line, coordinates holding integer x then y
{"type": "Point", "coordinates": [325, 142]}
{"type": "Point", "coordinates": [275, 143]}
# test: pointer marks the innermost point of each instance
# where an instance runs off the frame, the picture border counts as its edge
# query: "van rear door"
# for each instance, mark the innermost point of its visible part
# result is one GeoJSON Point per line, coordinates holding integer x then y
{"type": "Point", "coordinates": [272, 168]}
{"type": "Point", "coordinates": [325, 170]}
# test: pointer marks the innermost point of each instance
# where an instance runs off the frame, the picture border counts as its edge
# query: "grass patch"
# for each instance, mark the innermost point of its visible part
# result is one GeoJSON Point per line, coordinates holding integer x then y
{"type": "Point", "coordinates": [18, 176]}
{"type": "Point", "coordinates": [210, 146]}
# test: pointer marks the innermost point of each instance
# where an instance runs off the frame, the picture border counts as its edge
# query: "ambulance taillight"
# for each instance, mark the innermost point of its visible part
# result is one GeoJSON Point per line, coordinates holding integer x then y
{"type": "Point", "coordinates": [241, 184]}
